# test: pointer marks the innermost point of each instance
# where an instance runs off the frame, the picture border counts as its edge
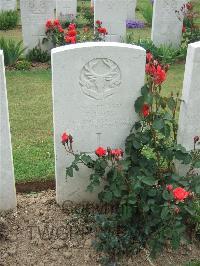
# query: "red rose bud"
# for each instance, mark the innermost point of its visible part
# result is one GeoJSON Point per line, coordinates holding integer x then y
{"type": "Point", "coordinates": [149, 57]}
{"type": "Point", "coordinates": [98, 22]}
{"type": "Point", "coordinates": [177, 210]}
{"type": "Point", "coordinates": [64, 138]}
{"type": "Point", "coordinates": [70, 138]}
{"type": "Point", "coordinates": [100, 152]}
{"type": "Point", "coordinates": [145, 110]}
{"type": "Point", "coordinates": [196, 139]}
{"type": "Point", "coordinates": [169, 187]}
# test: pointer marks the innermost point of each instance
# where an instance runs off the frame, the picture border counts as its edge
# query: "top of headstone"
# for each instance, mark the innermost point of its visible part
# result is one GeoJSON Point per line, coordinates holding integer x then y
{"type": "Point", "coordinates": [95, 44]}
{"type": "Point", "coordinates": [1, 52]}
{"type": "Point", "coordinates": [195, 44]}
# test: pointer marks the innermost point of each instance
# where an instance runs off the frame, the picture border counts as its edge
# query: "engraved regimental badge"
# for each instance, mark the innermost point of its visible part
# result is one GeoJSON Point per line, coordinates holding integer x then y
{"type": "Point", "coordinates": [100, 78]}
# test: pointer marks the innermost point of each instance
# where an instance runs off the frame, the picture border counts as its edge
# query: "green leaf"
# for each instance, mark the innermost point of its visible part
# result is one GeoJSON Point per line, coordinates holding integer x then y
{"type": "Point", "coordinates": [136, 144]}
{"type": "Point", "coordinates": [158, 124]}
{"type": "Point", "coordinates": [152, 193]}
{"type": "Point", "coordinates": [107, 196]}
{"type": "Point", "coordinates": [144, 90]}
{"type": "Point", "coordinates": [69, 171]}
{"type": "Point", "coordinates": [138, 104]}
{"type": "Point", "coordinates": [150, 181]}
{"type": "Point", "coordinates": [166, 195]}
{"type": "Point", "coordinates": [197, 164]}
{"type": "Point", "coordinates": [148, 98]}
{"type": "Point", "coordinates": [164, 213]}
{"type": "Point", "coordinates": [171, 103]}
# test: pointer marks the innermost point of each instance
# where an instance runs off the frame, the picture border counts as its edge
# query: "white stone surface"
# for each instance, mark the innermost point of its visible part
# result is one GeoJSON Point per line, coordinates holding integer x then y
{"type": "Point", "coordinates": [189, 119]}
{"type": "Point", "coordinates": [66, 9]}
{"type": "Point", "coordinates": [113, 15]}
{"type": "Point", "coordinates": [166, 25]}
{"type": "Point", "coordinates": [95, 86]}
{"type": "Point", "coordinates": [131, 5]}
{"type": "Point", "coordinates": [34, 14]}
{"type": "Point", "coordinates": [6, 5]}
{"type": "Point", "coordinates": [7, 183]}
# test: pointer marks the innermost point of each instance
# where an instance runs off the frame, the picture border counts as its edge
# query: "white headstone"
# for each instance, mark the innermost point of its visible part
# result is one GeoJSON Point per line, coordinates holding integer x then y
{"type": "Point", "coordinates": [95, 86]}
{"type": "Point", "coordinates": [34, 14]}
{"type": "Point", "coordinates": [166, 24]}
{"type": "Point", "coordinates": [189, 119]}
{"type": "Point", "coordinates": [7, 183]}
{"type": "Point", "coordinates": [6, 5]}
{"type": "Point", "coordinates": [131, 5]}
{"type": "Point", "coordinates": [113, 15]}
{"type": "Point", "coordinates": [66, 9]}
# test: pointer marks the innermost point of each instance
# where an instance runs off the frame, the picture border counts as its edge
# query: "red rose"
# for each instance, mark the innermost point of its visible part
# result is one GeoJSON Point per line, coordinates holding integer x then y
{"type": "Point", "coordinates": [64, 138]}
{"type": "Point", "coordinates": [149, 57]}
{"type": "Point", "coordinates": [100, 152]}
{"type": "Point", "coordinates": [102, 31]}
{"type": "Point", "coordinates": [180, 194]}
{"type": "Point", "coordinates": [60, 29]}
{"type": "Point", "coordinates": [150, 69]}
{"type": "Point", "coordinates": [98, 22]}
{"type": "Point", "coordinates": [117, 152]}
{"type": "Point", "coordinates": [49, 24]}
{"type": "Point", "coordinates": [56, 22]}
{"type": "Point", "coordinates": [183, 29]}
{"type": "Point", "coordinates": [169, 187]}
{"type": "Point", "coordinates": [72, 33]}
{"type": "Point", "coordinates": [69, 39]}
{"type": "Point", "coordinates": [72, 26]}
{"type": "Point", "coordinates": [160, 75]}
{"type": "Point", "coordinates": [145, 110]}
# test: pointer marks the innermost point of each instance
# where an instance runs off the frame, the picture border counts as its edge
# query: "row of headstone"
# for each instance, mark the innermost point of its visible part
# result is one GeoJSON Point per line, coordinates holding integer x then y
{"type": "Point", "coordinates": [7, 5]}
{"type": "Point", "coordinates": [100, 92]}
{"type": "Point", "coordinates": [35, 13]}
{"type": "Point", "coordinates": [7, 183]}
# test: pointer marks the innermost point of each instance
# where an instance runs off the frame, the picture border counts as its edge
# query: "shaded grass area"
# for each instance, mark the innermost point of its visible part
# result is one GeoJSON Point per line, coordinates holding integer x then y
{"type": "Point", "coordinates": [30, 106]}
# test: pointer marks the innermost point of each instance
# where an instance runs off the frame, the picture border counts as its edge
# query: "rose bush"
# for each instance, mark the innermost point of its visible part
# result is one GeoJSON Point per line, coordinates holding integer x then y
{"type": "Point", "coordinates": [154, 205]}
{"type": "Point", "coordinates": [59, 36]}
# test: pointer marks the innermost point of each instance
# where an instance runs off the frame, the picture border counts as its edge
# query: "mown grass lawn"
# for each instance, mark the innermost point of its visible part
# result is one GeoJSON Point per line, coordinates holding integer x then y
{"type": "Point", "coordinates": [30, 106]}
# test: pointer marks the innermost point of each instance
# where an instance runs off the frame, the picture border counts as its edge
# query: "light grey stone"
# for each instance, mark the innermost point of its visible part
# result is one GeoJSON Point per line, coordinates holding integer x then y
{"type": "Point", "coordinates": [167, 24]}
{"type": "Point", "coordinates": [95, 86]}
{"type": "Point", "coordinates": [6, 5]}
{"type": "Point", "coordinates": [189, 118]}
{"type": "Point", "coordinates": [34, 14]}
{"type": "Point", "coordinates": [7, 183]}
{"type": "Point", "coordinates": [131, 5]}
{"type": "Point", "coordinates": [66, 9]}
{"type": "Point", "coordinates": [113, 15]}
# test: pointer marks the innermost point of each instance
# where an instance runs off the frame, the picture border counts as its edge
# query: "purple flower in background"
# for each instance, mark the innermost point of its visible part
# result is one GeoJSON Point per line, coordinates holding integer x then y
{"type": "Point", "coordinates": [133, 24]}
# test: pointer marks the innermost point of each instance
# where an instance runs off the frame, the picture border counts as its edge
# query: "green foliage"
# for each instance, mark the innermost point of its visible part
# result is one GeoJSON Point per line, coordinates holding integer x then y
{"type": "Point", "coordinates": [147, 13]}
{"type": "Point", "coordinates": [164, 54]}
{"type": "Point", "coordinates": [143, 185]}
{"type": "Point", "coordinates": [12, 51]}
{"type": "Point", "coordinates": [38, 55]}
{"type": "Point", "coordinates": [8, 20]}
{"type": "Point", "coordinates": [23, 65]}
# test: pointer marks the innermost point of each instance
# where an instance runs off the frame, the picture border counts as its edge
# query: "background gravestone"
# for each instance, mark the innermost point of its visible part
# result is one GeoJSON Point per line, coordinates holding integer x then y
{"type": "Point", "coordinates": [6, 5]}
{"type": "Point", "coordinates": [166, 24]}
{"type": "Point", "coordinates": [65, 9]}
{"type": "Point", "coordinates": [7, 183]}
{"type": "Point", "coordinates": [113, 15]}
{"type": "Point", "coordinates": [95, 86]}
{"type": "Point", "coordinates": [34, 14]}
{"type": "Point", "coordinates": [131, 5]}
{"type": "Point", "coordinates": [189, 119]}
